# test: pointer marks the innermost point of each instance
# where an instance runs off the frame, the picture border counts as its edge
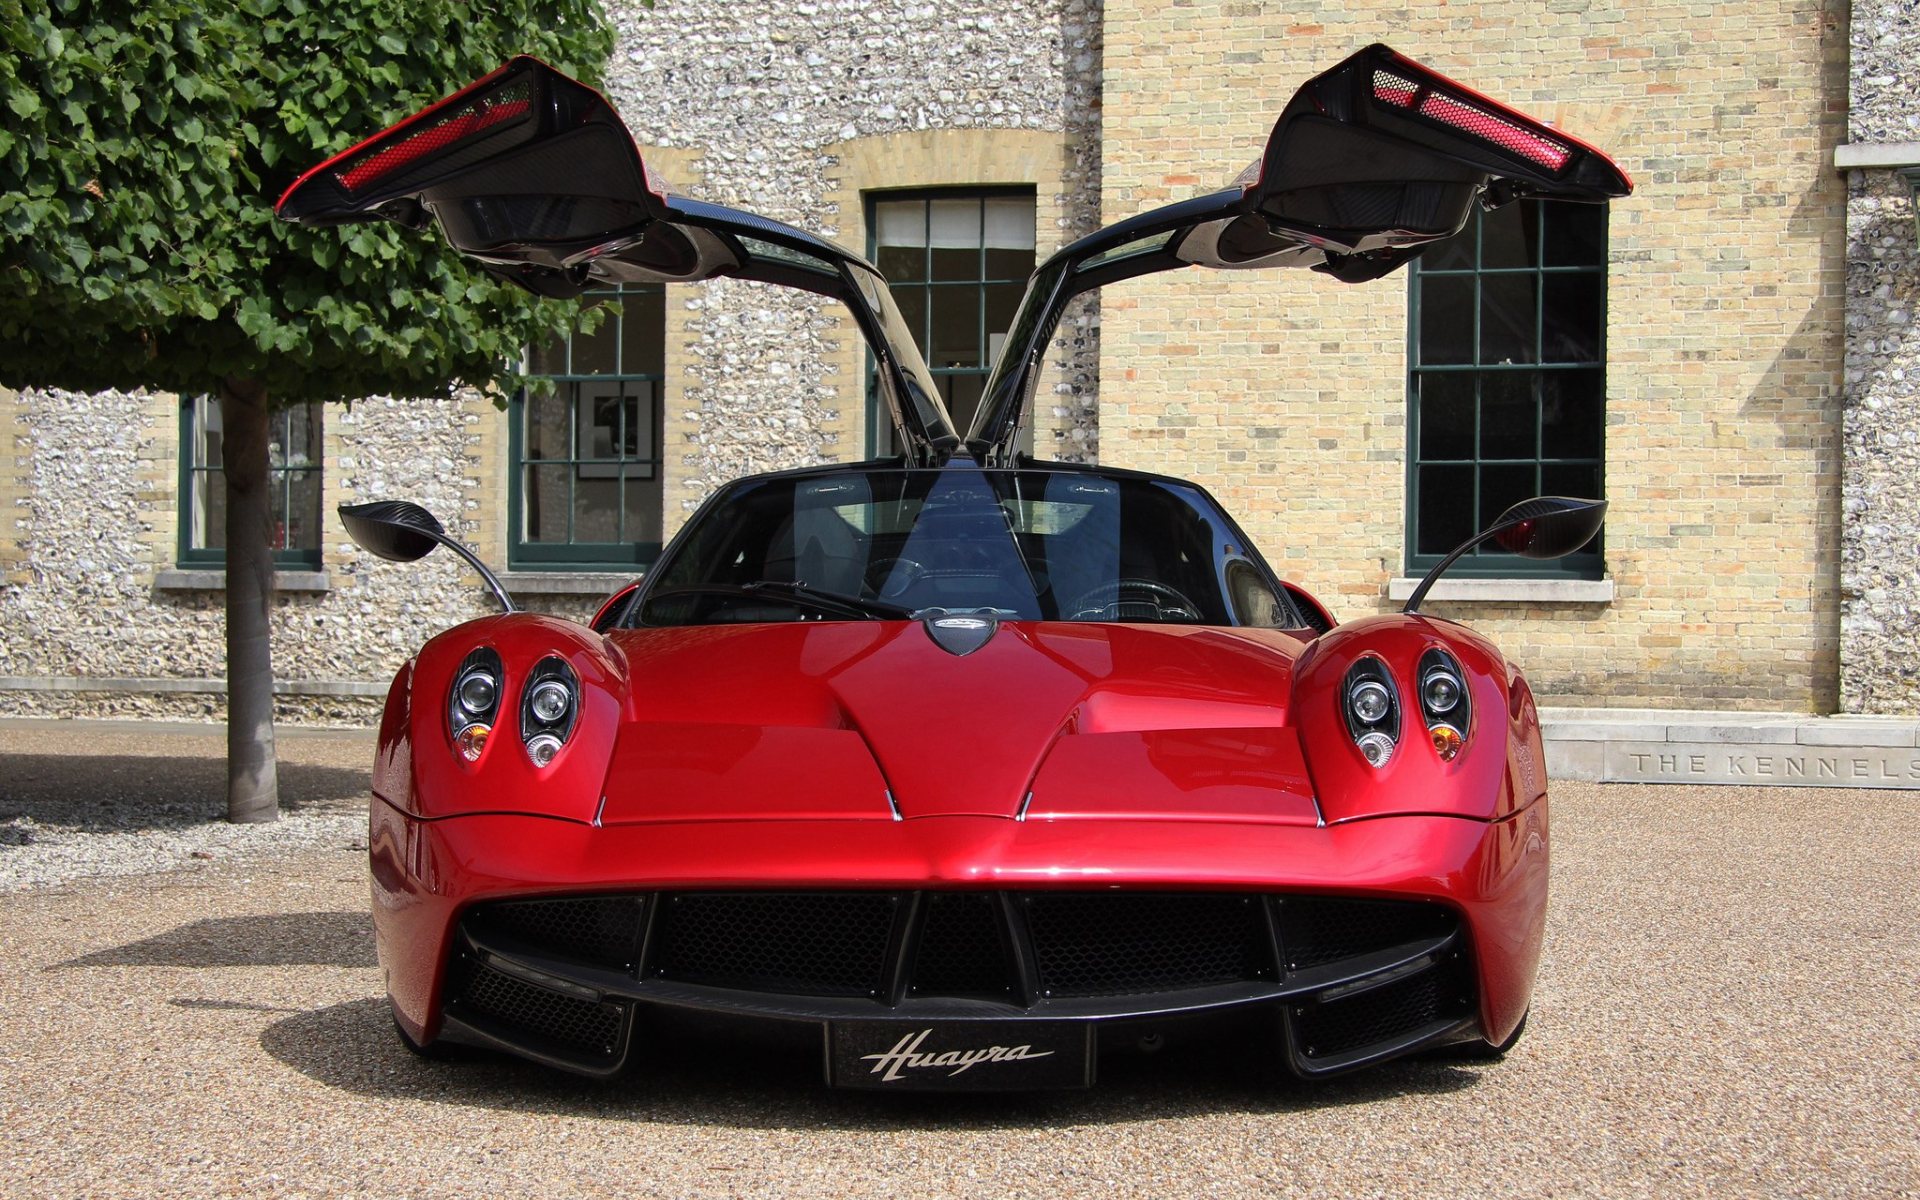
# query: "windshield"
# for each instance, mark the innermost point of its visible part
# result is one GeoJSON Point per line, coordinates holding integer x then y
{"type": "Point", "coordinates": [1030, 545]}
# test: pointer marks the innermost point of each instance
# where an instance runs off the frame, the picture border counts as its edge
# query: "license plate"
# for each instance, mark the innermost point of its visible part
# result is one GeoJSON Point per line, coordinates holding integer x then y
{"type": "Point", "coordinates": [960, 1056]}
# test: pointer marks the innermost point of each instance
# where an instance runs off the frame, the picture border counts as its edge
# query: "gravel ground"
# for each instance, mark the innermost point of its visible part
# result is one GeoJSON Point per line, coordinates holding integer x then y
{"type": "Point", "coordinates": [89, 798]}
{"type": "Point", "coordinates": [1730, 1006]}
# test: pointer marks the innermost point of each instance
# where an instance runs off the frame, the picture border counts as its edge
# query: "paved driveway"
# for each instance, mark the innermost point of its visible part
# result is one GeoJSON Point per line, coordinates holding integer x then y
{"type": "Point", "coordinates": [1730, 1006]}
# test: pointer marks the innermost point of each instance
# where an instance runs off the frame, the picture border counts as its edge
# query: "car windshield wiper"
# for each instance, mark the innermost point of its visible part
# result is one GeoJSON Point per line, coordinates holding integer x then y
{"type": "Point", "coordinates": [820, 598]}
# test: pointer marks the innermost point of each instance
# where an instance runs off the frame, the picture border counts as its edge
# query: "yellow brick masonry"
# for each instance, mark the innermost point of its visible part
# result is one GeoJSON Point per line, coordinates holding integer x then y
{"type": "Point", "coordinates": [1285, 392]}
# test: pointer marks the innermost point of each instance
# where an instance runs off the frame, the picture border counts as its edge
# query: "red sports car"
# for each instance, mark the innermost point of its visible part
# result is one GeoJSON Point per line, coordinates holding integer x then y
{"type": "Point", "coordinates": [957, 767]}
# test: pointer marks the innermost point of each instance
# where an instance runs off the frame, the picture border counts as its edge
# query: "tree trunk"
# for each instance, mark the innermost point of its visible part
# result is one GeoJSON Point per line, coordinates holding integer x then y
{"type": "Point", "coordinates": [253, 785]}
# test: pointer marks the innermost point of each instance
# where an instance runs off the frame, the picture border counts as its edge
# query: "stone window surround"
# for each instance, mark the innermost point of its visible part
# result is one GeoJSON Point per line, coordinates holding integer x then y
{"type": "Point", "coordinates": [936, 159]}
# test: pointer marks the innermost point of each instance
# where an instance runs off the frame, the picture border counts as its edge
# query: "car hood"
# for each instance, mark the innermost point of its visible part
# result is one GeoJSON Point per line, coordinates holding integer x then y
{"type": "Point", "coordinates": [873, 720]}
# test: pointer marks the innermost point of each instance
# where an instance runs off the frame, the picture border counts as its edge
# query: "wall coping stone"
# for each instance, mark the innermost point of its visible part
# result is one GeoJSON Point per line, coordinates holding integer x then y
{"type": "Point", "coordinates": [195, 686]}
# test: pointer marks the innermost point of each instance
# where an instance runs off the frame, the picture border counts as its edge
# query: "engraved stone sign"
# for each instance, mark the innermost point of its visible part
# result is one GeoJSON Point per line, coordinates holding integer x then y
{"type": "Point", "coordinates": [1762, 764]}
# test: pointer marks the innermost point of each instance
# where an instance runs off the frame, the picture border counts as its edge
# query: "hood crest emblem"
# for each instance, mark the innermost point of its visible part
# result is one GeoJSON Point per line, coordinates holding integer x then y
{"type": "Point", "coordinates": [959, 634]}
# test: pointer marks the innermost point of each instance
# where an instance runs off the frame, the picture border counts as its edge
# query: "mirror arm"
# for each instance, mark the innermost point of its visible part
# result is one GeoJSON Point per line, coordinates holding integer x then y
{"type": "Point", "coordinates": [473, 560]}
{"type": "Point", "coordinates": [1439, 568]}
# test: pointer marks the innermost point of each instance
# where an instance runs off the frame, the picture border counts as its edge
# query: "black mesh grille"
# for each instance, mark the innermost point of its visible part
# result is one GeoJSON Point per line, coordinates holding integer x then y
{"type": "Point", "coordinates": [1385, 1014]}
{"type": "Point", "coordinates": [808, 943]}
{"type": "Point", "coordinates": [1315, 930]}
{"type": "Point", "coordinates": [573, 1023]}
{"type": "Point", "coordinates": [1107, 944]}
{"type": "Point", "coordinates": [604, 930]}
{"type": "Point", "coordinates": [962, 951]}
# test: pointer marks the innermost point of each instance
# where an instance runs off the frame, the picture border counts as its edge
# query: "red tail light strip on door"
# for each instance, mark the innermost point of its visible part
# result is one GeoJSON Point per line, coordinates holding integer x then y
{"type": "Point", "coordinates": [1473, 118]}
{"type": "Point", "coordinates": [508, 104]}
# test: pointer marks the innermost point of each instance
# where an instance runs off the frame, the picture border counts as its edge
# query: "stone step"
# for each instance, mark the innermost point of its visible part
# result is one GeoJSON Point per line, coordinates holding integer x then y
{"type": "Point", "coordinates": [1647, 745]}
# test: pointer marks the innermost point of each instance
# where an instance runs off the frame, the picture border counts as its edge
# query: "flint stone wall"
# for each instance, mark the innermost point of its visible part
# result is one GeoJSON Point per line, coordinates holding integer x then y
{"type": "Point", "coordinates": [754, 102]}
{"type": "Point", "coordinates": [1880, 555]}
{"type": "Point", "coordinates": [765, 93]}
{"type": "Point", "coordinates": [98, 520]}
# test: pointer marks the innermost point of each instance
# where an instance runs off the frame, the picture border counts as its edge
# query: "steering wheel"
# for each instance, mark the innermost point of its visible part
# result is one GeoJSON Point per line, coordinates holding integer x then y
{"type": "Point", "coordinates": [895, 575]}
{"type": "Point", "coordinates": [1104, 602]}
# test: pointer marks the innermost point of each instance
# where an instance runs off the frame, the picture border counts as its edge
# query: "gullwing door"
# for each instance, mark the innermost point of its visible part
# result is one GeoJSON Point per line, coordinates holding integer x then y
{"type": "Point", "coordinates": [1369, 164]}
{"type": "Point", "coordinates": [534, 176]}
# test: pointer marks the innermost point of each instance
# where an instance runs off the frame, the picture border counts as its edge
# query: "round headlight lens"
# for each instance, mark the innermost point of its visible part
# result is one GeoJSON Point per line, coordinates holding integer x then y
{"type": "Point", "coordinates": [1376, 747]}
{"type": "Point", "coordinates": [541, 748]}
{"type": "Point", "coordinates": [1440, 691]}
{"type": "Point", "coordinates": [477, 692]}
{"type": "Point", "coordinates": [550, 701]}
{"type": "Point", "coordinates": [1370, 701]}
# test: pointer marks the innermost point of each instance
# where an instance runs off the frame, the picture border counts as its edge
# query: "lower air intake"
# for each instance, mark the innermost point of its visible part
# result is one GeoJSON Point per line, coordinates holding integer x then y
{"type": "Point", "coordinates": [802, 943]}
{"type": "Point", "coordinates": [1108, 944]}
{"type": "Point", "coordinates": [521, 1008]}
{"type": "Point", "coordinates": [1385, 1016]}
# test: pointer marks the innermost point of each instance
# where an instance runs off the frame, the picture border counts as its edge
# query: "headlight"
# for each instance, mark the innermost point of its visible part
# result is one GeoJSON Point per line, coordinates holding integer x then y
{"type": "Point", "coordinates": [477, 692]}
{"type": "Point", "coordinates": [1371, 710]}
{"type": "Point", "coordinates": [549, 702]}
{"type": "Point", "coordinates": [1443, 702]}
{"type": "Point", "coordinates": [550, 710]}
{"type": "Point", "coordinates": [474, 702]}
{"type": "Point", "coordinates": [1370, 701]}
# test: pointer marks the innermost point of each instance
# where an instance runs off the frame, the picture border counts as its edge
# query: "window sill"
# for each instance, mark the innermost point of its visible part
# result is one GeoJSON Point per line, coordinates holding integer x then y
{"type": "Point", "coordinates": [1510, 591]}
{"type": "Point", "coordinates": [566, 583]}
{"type": "Point", "coordinates": [214, 579]}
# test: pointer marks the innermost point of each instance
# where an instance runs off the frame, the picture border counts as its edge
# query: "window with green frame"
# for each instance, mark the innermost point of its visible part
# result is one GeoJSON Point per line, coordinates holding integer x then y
{"type": "Point", "coordinates": [294, 450]}
{"type": "Point", "coordinates": [1507, 387]}
{"type": "Point", "coordinates": [587, 491]}
{"type": "Point", "coordinates": [957, 262]}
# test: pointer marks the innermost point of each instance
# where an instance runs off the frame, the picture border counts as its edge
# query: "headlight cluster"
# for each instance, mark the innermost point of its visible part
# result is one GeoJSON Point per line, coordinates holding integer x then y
{"type": "Point", "coordinates": [475, 703]}
{"type": "Point", "coordinates": [549, 706]}
{"type": "Point", "coordinates": [548, 709]}
{"type": "Point", "coordinates": [1444, 703]}
{"type": "Point", "coordinates": [1372, 711]}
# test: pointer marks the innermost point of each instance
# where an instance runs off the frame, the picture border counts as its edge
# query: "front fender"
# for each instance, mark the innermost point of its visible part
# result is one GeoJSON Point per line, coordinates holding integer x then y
{"type": "Point", "coordinates": [418, 770]}
{"type": "Point", "coordinates": [1497, 771]}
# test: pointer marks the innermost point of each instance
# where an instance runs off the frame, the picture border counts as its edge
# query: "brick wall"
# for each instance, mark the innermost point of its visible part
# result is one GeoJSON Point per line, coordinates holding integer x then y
{"type": "Point", "coordinates": [1285, 392]}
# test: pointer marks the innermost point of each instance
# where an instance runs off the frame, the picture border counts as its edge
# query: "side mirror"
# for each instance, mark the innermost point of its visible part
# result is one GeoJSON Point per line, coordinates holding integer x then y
{"type": "Point", "coordinates": [401, 531]}
{"type": "Point", "coordinates": [396, 530]}
{"type": "Point", "coordinates": [1543, 527]}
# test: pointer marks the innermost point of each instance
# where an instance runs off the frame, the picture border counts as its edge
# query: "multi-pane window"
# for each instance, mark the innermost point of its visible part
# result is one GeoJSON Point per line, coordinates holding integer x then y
{"type": "Point", "coordinates": [957, 263]}
{"type": "Point", "coordinates": [1508, 378]}
{"type": "Point", "coordinates": [586, 454]}
{"type": "Point", "coordinates": [294, 452]}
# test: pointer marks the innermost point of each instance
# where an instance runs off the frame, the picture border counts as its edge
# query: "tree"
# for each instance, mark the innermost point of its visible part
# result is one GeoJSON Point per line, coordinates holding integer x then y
{"type": "Point", "coordinates": [142, 145]}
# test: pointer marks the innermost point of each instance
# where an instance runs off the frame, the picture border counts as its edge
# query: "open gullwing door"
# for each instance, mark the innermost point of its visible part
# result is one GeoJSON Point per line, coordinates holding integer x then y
{"type": "Point", "coordinates": [1369, 164]}
{"type": "Point", "coordinates": [535, 177]}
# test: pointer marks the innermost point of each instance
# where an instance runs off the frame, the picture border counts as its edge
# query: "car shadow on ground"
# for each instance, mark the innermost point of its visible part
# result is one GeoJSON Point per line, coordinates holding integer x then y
{"type": "Point", "coordinates": [132, 793]}
{"type": "Point", "coordinates": [319, 939]}
{"type": "Point", "coordinates": [352, 1046]}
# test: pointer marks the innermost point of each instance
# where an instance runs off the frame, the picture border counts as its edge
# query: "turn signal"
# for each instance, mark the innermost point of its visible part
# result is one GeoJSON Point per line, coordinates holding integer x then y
{"type": "Point", "coordinates": [471, 741]}
{"type": "Point", "coordinates": [1446, 741]}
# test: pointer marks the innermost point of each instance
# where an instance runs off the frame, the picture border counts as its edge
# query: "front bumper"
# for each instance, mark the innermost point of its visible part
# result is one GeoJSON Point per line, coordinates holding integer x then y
{"type": "Point", "coordinates": [1216, 919]}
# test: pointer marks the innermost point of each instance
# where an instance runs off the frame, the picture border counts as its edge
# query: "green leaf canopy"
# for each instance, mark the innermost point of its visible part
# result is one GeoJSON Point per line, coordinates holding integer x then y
{"type": "Point", "coordinates": [143, 144]}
